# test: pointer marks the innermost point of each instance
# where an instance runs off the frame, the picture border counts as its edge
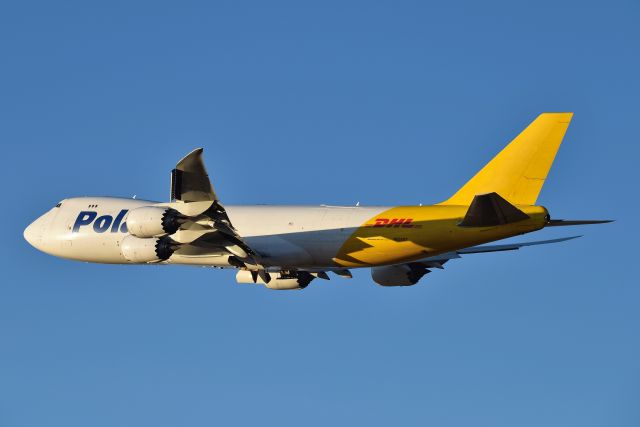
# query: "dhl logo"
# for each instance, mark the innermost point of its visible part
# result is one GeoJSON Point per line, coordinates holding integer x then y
{"type": "Point", "coordinates": [393, 222]}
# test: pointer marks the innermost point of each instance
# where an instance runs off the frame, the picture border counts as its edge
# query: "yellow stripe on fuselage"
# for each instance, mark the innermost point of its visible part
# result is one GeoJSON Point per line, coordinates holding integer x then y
{"type": "Point", "coordinates": [409, 233]}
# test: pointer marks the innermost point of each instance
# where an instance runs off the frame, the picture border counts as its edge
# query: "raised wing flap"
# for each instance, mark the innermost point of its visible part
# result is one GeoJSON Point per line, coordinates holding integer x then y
{"type": "Point", "coordinates": [211, 231]}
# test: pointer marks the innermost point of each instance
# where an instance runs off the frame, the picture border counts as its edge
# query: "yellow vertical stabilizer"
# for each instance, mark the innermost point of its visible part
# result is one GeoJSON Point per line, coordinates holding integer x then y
{"type": "Point", "coordinates": [518, 172]}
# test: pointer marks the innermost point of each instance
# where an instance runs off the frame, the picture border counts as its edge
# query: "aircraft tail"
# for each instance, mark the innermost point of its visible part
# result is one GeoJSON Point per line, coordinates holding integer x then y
{"type": "Point", "coordinates": [518, 172]}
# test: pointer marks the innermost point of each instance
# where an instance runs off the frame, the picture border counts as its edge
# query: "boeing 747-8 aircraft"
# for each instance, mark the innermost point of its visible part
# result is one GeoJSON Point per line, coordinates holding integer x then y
{"type": "Point", "coordinates": [286, 247]}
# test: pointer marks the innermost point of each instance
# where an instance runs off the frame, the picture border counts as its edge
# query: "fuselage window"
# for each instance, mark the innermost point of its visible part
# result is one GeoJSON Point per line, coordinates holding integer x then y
{"type": "Point", "coordinates": [58, 205]}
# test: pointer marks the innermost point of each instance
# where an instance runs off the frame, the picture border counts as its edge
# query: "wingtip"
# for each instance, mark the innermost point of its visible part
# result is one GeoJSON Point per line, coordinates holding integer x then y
{"type": "Point", "coordinates": [193, 153]}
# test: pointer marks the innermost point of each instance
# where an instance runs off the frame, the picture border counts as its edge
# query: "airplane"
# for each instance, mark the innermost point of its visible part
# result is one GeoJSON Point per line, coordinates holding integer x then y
{"type": "Point", "coordinates": [286, 247]}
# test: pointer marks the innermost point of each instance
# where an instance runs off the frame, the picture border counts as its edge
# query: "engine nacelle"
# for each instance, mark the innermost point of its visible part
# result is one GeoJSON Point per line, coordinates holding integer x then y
{"type": "Point", "coordinates": [279, 281]}
{"type": "Point", "coordinates": [139, 250]}
{"type": "Point", "coordinates": [153, 221]}
{"type": "Point", "coordinates": [397, 275]}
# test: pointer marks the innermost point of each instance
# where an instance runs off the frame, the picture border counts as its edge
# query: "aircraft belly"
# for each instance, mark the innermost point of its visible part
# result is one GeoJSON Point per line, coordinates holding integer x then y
{"type": "Point", "coordinates": [313, 249]}
{"type": "Point", "coordinates": [278, 250]}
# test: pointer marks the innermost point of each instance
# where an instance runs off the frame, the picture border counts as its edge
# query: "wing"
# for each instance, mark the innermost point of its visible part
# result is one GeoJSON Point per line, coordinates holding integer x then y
{"type": "Point", "coordinates": [205, 227]}
{"type": "Point", "coordinates": [409, 273]}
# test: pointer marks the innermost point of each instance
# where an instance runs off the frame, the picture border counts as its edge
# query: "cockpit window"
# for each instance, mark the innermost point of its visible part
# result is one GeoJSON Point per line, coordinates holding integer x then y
{"type": "Point", "coordinates": [58, 205]}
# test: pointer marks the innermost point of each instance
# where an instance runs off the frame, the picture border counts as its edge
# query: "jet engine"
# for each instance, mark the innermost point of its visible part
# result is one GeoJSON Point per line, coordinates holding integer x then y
{"type": "Point", "coordinates": [398, 275]}
{"type": "Point", "coordinates": [152, 249]}
{"type": "Point", "coordinates": [278, 281]}
{"type": "Point", "coordinates": [151, 221]}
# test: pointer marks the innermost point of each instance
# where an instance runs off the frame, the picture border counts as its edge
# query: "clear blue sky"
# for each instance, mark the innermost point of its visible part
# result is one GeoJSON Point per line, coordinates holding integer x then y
{"type": "Point", "coordinates": [324, 102]}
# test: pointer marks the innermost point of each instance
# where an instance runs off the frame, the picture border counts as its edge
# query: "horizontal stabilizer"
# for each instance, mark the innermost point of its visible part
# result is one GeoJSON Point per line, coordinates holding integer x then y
{"type": "Point", "coordinates": [448, 256]}
{"type": "Point", "coordinates": [511, 246]}
{"type": "Point", "coordinates": [563, 222]}
{"type": "Point", "coordinates": [488, 210]}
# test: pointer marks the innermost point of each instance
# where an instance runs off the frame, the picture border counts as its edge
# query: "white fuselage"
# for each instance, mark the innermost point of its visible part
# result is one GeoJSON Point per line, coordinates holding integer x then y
{"type": "Point", "coordinates": [92, 228]}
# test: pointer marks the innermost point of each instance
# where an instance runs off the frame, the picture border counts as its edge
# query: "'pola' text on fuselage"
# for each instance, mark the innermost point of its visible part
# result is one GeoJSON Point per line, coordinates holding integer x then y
{"type": "Point", "coordinates": [102, 223]}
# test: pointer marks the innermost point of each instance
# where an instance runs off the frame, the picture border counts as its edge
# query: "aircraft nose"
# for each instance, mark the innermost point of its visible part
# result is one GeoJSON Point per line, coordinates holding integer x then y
{"type": "Point", "coordinates": [34, 232]}
{"type": "Point", "coordinates": [31, 234]}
